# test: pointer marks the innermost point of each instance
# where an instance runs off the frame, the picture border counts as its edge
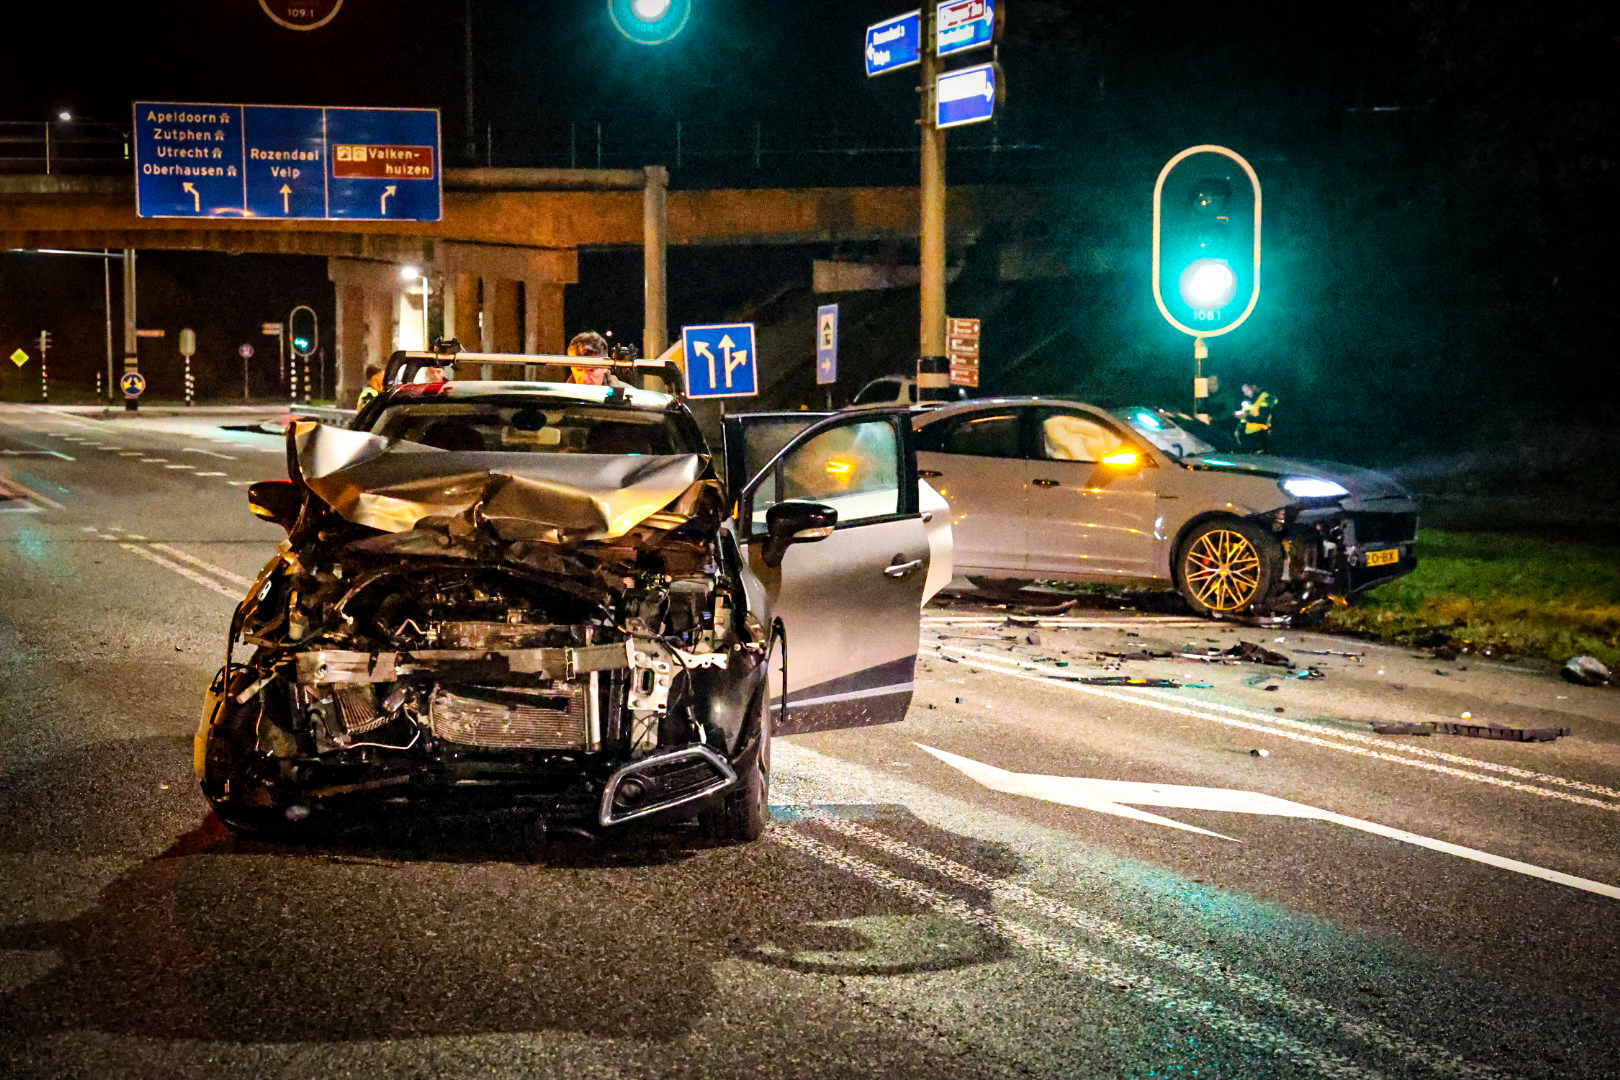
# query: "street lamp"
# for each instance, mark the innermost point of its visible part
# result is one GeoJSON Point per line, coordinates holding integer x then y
{"type": "Point", "coordinates": [649, 22]}
{"type": "Point", "coordinates": [412, 273]}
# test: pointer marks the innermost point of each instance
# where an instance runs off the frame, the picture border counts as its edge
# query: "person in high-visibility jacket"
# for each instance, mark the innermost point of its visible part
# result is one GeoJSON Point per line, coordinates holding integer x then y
{"type": "Point", "coordinates": [1254, 419]}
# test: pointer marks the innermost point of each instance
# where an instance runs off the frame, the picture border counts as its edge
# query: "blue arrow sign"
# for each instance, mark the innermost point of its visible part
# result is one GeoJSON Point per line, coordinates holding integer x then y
{"type": "Point", "coordinates": [720, 360]}
{"type": "Point", "coordinates": [967, 96]}
{"type": "Point", "coordinates": [291, 162]}
{"type": "Point", "coordinates": [132, 383]}
{"type": "Point", "coordinates": [894, 43]}
{"type": "Point", "coordinates": [826, 344]}
{"type": "Point", "coordinates": [963, 24]}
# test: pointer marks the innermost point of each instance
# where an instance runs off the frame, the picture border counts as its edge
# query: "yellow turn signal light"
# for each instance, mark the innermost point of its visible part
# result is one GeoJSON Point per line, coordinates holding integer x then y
{"type": "Point", "coordinates": [839, 468]}
{"type": "Point", "coordinates": [1122, 458]}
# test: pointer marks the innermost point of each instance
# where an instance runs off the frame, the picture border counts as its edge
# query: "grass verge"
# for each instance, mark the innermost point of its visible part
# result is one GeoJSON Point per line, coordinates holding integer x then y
{"type": "Point", "coordinates": [1478, 591]}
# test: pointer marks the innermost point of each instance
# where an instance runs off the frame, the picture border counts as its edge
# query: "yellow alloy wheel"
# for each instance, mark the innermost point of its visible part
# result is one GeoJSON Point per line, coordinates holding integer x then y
{"type": "Point", "coordinates": [1222, 570]}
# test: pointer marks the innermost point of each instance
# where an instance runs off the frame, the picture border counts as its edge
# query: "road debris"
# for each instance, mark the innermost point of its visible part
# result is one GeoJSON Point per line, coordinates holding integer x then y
{"type": "Point", "coordinates": [1262, 752]}
{"type": "Point", "coordinates": [1356, 656]}
{"type": "Point", "coordinates": [1403, 729]}
{"type": "Point", "coordinates": [1244, 652]}
{"type": "Point", "coordinates": [1308, 673]}
{"type": "Point", "coordinates": [1587, 671]}
{"type": "Point", "coordinates": [1503, 734]}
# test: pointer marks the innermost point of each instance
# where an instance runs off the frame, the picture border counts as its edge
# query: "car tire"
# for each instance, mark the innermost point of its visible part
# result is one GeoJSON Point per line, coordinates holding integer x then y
{"type": "Point", "coordinates": [999, 587]}
{"type": "Point", "coordinates": [1227, 566]}
{"type": "Point", "coordinates": [744, 812]}
{"type": "Point", "coordinates": [244, 803]}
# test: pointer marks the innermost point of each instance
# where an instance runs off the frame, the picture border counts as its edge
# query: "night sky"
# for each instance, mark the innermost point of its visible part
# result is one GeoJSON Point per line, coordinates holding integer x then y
{"type": "Point", "coordinates": [1439, 174]}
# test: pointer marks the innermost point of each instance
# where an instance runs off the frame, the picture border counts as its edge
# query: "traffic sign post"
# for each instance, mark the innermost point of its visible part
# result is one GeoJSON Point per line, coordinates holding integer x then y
{"type": "Point", "coordinates": [962, 346]}
{"type": "Point", "coordinates": [894, 44]}
{"type": "Point", "coordinates": [288, 162]}
{"type": "Point", "coordinates": [303, 341]}
{"type": "Point", "coordinates": [44, 350]}
{"type": "Point", "coordinates": [826, 344]}
{"type": "Point", "coordinates": [720, 360]}
{"type": "Point", "coordinates": [133, 384]}
{"type": "Point", "coordinates": [245, 351]}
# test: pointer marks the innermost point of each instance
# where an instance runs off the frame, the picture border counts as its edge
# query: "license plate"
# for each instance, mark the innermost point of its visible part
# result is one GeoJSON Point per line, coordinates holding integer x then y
{"type": "Point", "coordinates": [1383, 557]}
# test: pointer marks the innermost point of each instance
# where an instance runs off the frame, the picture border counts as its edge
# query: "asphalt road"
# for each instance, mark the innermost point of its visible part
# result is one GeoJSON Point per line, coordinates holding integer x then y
{"type": "Point", "coordinates": [1031, 876]}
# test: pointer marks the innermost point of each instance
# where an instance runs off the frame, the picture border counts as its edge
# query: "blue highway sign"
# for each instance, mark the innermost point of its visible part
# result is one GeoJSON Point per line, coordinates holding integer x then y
{"type": "Point", "coordinates": [132, 383]}
{"type": "Point", "coordinates": [894, 43]}
{"type": "Point", "coordinates": [965, 96]}
{"type": "Point", "coordinates": [963, 24]}
{"type": "Point", "coordinates": [291, 162]}
{"type": "Point", "coordinates": [720, 360]}
{"type": "Point", "coordinates": [826, 344]}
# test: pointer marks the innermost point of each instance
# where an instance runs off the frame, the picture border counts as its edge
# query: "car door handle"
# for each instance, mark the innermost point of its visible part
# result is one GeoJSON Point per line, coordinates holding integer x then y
{"type": "Point", "coordinates": [1044, 483]}
{"type": "Point", "coordinates": [929, 474]}
{"type": "Point", "coordinates": [901, 569]}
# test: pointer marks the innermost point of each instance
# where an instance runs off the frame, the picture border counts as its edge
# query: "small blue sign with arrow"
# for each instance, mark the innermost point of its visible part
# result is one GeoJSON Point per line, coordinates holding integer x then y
{"type": "Point", "coordinates": [894, 43]}
{"type": "Point", "coordinates": [826, 344]}
{"type": "Point", "coordinates": [963, 24]}
{"type": "Point", "coordinates": [965, 96]}
{"type": "Point", "coordinates": [720, 360]}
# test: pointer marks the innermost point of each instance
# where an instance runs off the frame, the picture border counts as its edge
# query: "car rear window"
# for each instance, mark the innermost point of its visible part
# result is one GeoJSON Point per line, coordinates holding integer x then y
{"type": "Point", "coordinates": [530, 428]}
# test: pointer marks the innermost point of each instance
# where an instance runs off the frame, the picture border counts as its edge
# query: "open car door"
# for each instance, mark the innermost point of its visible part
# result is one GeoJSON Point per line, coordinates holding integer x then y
{"type": "Point", "coordinates": [846, 586]}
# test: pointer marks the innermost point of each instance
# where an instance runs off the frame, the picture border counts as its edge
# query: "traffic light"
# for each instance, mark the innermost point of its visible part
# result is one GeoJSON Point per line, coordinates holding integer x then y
{"type": "Point", "coordinates": [649, 22]}
{"type": "Point", "coordinates": [302, 330]}
{"type": "Point", "coordinates": [1206, 241]}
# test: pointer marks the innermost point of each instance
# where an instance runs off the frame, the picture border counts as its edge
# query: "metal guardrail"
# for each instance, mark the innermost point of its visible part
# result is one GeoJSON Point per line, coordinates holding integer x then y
{"type": "Point", "coordinates": [63, 146]}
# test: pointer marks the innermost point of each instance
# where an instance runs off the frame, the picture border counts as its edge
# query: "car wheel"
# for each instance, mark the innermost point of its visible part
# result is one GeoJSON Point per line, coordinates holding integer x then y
{"type": "Point", "coordinates": [999, 587]}
{"type": "Point", "coordinates": [244, 802]}
{"type": "Point", "coordinates": [1228, 566]}
{"type": "Point", "coordinates": [745, 811]}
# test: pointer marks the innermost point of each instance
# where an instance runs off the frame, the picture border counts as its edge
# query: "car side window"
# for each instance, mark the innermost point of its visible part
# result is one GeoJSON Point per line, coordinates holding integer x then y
{"type": "Point", "coordinates": [853, 468]}
{"type": "Point", "coordinates": [1070, 437]}
{"type": "Point", "coordinates": [992, 434]}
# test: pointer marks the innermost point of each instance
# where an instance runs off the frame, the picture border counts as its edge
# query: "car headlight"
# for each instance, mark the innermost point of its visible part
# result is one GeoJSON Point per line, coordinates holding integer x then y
{"type": "Point", "coordinates": [1312, 487]}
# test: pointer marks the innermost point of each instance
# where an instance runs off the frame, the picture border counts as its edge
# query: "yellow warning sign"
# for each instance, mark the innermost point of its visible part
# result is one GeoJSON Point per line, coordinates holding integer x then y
{"type": "Point", "coordinates": [19, 358]}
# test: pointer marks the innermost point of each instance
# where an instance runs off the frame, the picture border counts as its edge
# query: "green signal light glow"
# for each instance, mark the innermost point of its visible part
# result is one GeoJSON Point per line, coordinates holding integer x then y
{"type": "Point", "coordinates": [1149, 421]}
{"type": "Point", "coordinates": [1208, 284]}
{"type": "Point", "coordinates": [649, 22]}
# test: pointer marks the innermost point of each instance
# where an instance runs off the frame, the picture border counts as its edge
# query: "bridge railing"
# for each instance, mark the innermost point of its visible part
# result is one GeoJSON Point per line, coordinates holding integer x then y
{"type": "Point", "coordinates": [62, 146]}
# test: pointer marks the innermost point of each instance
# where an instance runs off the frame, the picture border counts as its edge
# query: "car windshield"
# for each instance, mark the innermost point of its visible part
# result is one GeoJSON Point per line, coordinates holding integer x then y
{"type": "Point", "coordinates": [534, 427]}
{"type": "Point", "coordinates": [1176, 433]}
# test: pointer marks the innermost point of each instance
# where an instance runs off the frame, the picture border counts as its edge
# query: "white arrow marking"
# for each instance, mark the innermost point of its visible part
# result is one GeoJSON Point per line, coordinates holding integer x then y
{"type": "Point", "coordinates": [387, 191]}
{"type": "Point", "coordinates": [740, 355]}
{"type": "Point", "coordinates": [1107, 797]}
{"type": "Point", "coordinates": [702, 349]}
{"type": "Point", "coordinates": [196, 196]}
{"type": "Point", "coordinates": [286, 196]}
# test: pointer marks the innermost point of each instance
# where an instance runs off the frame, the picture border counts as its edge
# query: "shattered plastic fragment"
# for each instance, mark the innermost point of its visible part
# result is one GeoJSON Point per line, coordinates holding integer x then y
{"type": "Point", "coordinates": [1587, 671]}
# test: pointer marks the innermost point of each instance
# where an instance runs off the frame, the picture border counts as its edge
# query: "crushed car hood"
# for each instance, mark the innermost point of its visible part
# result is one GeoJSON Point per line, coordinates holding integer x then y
{"type": "Point", "coordinates": [391, 485]}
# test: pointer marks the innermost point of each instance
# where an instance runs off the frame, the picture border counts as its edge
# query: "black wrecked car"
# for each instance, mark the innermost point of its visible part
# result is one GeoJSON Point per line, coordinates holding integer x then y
{"type": "Point", "coordinates": [546, 598]}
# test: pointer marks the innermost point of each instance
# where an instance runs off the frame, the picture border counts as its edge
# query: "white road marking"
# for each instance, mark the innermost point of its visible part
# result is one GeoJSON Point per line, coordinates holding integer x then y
{"type": "Point", "coordinates": [1107, 796]}
{"type": "Point", "coordinates": [34, 495]}
{"type": "Point", "coordinates": [239, 483]}
{"type": "Point", "coordinates": [1277, 727]}
{"type": "Point", "coordinates": [25, 508]}
{"type": "Point", "coordinates": [210, 474]}
{"type": "Point", "coordinates": [1005, 892]}
{"type": "Point", "coordinates": [210, 453]}
{"type": "Point", "coordinates": [37, 453]}
{"type": "Point", "coordinates": [1078, 961]}
{"type": "Point", "coordinates": [131, 453]}
{"type": "Point", "coordinates": [153, 460]}
{"type": "Point", "coordinates": [1064, 622]}
{"type": "Point", "coordinates": [202, 564]}
{"type": "Point", "coordinates": [183, 571]}
{"type": "Point", "coordinates": [177, 466]}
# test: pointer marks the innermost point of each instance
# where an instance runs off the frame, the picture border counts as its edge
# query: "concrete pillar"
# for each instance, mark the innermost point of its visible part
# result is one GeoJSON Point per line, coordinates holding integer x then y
{"type": "Point", "coordinates": [503, 300]}
{"type": "Point", "coordinates": [365, 329]}
{"type": "Point", "coordinates": [543, 317]}
{"type": "Point", "coordinates": [461, 309]}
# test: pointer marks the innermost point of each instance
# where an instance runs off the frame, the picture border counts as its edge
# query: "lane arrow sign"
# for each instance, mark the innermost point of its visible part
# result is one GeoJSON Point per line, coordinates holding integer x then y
{"type": "Point", "coordinates": [387, 191]}
{"type": "Point", "coordinates": [286, 197]}
{"type": "Point", "coordinates": [1121, 797]}
{"type": "Point", "coordinates": [196, 196]}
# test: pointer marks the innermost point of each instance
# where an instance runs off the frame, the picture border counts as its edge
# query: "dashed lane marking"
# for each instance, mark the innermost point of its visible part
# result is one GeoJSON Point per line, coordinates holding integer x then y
{"type": "Point", "coordinates": [203, 564]}
{"type": "Point", "coordinates": [210, 453]}
{"type": "Point", "coordinates": [184, 571]}
{"type": "Point", "coordinates": [210, 474]}
{"type": "Point", "coordinates": [34, 495]}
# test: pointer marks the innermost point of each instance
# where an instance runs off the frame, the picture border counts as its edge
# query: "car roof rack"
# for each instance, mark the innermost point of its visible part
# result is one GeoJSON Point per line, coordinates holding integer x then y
{"type": "Point", "coordinates": [405, 364]}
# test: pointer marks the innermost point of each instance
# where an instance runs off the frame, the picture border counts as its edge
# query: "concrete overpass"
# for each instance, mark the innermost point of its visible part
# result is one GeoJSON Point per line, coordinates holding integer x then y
{"type": "Point", "coordinates": [506, 248]}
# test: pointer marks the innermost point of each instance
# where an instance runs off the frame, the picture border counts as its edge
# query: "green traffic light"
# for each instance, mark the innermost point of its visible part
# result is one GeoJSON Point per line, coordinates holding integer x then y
{"type": "Point", "coordinates": [649, 22]}
{"type": "Point", "coordinates": [1208, 284]}
{"type": "Point", "coordinates": [301, 343]}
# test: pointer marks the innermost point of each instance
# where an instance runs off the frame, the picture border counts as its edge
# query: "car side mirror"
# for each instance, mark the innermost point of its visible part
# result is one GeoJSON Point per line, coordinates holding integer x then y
{"type": "Point", "coordinates": [789, 523]}
{"type": "Point", "coordinates": [275, 500]}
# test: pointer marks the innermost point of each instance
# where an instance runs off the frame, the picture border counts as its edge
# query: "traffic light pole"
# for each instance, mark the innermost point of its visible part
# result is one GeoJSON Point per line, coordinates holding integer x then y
{"type": "Point", "coordinates": [933, 368]}
{"type": "Point", "coordinates": [132, 361]}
